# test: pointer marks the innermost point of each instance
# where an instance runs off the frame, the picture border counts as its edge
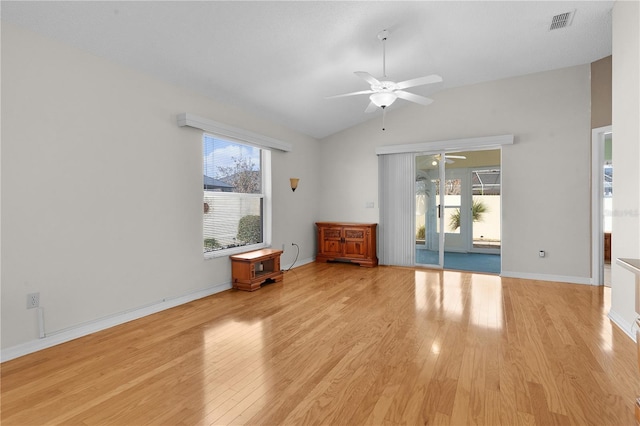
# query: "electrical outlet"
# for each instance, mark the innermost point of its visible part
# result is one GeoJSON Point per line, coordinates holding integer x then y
{"type": "Point", "coordinates": [33, 300]}
{"type": "Point", "coordinates": [541, 253]}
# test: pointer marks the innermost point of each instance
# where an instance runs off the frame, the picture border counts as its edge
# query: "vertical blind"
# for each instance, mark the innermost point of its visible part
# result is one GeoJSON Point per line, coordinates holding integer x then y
{"type": "Point", "coordinates": [397, 210]}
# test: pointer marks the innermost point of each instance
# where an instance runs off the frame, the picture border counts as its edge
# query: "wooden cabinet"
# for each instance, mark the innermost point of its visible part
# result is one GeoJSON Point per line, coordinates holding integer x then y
{"type": "Point", "coordinates": [347, 242]}
{"type": "Point", "coordinates": [250, 270]}
{"type": "Point", "coordinates": [607, 246]}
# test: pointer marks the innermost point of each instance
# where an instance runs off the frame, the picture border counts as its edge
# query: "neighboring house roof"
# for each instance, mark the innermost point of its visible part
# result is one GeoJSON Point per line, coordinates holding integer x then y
{"type": "Point", "coordinates": [212, 184]}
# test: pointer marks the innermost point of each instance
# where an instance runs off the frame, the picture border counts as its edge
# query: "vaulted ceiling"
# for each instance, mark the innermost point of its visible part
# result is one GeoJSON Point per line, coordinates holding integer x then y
{"type": "Point", "coordinates": [280, 60]}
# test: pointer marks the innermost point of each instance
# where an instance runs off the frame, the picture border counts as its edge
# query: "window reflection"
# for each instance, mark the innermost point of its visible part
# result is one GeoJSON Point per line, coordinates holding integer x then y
{"type": "Point", "coordinates": [456, 296]}
{"type": "Point", "coordinates": [486, 301]}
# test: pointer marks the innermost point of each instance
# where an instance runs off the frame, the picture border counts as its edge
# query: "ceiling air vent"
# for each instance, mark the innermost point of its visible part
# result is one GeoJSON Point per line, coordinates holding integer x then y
{"type": "Point", "coordinates": [562, 20]}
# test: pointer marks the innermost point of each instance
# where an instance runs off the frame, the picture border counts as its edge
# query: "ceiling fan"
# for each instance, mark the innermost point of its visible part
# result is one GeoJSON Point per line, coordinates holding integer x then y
{"type": "Point", "coordinates": [448, 159]}
{"type": "Point", "coordinates": [384, 92]}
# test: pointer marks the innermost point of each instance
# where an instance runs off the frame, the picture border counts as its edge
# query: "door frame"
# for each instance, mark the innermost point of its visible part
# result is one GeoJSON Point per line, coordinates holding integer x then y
{"type": "Point", "coordinates": [597, 177]}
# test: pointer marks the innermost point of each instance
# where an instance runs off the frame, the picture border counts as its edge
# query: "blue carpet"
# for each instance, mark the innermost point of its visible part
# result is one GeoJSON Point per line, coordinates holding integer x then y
{"type": "Point", "coordinates": [476, 262]}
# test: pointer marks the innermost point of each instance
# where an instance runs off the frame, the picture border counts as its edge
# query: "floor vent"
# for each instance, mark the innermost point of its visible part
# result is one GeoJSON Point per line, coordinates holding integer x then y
{"type": "Point", "coordinates": [561, 21]}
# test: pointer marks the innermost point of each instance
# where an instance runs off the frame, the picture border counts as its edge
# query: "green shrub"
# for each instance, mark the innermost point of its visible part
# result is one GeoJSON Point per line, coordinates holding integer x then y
{"type": "Point", "coordinates": [420, 235]}
{"type": "Point", "coordinates": [211, 244]}
{"type": "Point", "coordinates": [250, 229]}
{"type": "Point", "coordinates": [478, 208]}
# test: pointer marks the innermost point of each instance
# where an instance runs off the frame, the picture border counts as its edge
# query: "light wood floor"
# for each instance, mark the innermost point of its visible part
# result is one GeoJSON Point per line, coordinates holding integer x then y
{"type": "Point", "coordinates": [339, 344]}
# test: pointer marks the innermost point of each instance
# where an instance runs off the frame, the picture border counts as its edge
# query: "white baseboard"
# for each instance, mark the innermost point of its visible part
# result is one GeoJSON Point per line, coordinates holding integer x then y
{"type": "Point", "coordinates": [622, 324]}
{"type": "Point", "coordinates": [52, 339]}
{"type": "Point", "coordinates": [546, 277]}
{"type": "Point", "coordinates": [56, 338]}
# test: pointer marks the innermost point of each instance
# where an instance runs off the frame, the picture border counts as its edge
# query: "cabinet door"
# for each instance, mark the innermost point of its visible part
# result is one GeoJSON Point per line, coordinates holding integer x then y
{"type": "Point", "coordinates": [331, 241]}
{"type": "Point", "coordinates": [356, 242]}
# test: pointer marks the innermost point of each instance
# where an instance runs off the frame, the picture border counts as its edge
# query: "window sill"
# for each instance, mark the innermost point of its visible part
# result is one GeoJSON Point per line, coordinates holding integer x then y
{"type": "Point", "coordinates": [235, 250]}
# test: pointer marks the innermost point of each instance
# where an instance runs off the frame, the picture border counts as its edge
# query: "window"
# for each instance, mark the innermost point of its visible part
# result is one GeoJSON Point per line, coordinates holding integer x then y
{"type": "Point", "coordinates": [236, 187]}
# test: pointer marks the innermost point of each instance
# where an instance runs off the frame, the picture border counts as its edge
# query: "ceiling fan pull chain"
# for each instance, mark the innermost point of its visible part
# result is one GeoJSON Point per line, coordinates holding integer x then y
{"type": "Point", "coordinates": [384, 113]}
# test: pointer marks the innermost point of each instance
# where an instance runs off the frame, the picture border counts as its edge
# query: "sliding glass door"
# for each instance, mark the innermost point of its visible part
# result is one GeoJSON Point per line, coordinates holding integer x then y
{"type": "Point", "coordinates": [457, 208]}
{"type": "Point", "coordinates": [413, 224]}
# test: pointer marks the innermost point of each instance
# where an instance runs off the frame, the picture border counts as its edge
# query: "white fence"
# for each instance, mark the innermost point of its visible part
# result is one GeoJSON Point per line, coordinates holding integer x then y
{"type": "Point", "coordinates": [224, 214]}
{"type": "Point", "coordinates": [486, 230]}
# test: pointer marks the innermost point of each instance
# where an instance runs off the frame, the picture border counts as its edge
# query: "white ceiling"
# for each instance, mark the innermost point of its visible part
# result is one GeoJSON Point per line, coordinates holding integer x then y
{"type": "Point", "coordinates": [280, 60]}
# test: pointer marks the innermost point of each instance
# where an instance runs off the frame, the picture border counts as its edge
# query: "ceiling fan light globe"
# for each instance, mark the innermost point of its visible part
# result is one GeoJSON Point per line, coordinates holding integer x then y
{"type": "Point", "coordinates": [383, 99]}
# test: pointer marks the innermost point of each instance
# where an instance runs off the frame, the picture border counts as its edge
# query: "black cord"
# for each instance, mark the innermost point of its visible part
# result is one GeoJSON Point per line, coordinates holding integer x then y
{"type": "Point", "coordinates": [296, 259]}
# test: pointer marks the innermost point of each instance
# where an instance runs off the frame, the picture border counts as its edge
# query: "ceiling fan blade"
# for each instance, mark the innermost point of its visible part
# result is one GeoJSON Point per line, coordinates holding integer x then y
{"type": "Point", "coordinates": [367, 77]}
{"type": "Point", "coordinates": [371, 108]}
{"type": "Point", "coordinates": [461, 157]}
{"type": "Point", "coordinates": [363, 92]}
{"type": "Point", "coordinates": [429, 79]}
{"type": "Point", "coordinates": [412, 97]}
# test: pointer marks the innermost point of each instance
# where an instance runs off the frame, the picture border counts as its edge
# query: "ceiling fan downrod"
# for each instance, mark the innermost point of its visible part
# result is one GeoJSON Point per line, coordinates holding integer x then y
{"type": "Point", "coordinates": [382, 36]}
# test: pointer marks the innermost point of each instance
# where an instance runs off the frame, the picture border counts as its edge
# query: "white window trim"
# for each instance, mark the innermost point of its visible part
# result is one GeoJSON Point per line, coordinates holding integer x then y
{"type": "Point", "coordinates": [451, 145]}
{"type": "Point", "coordinates": [231, 133]}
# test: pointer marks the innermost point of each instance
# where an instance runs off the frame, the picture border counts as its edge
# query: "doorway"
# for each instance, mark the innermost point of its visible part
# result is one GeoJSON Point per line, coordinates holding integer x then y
{"type": "Point", "coordinates": [458, 216]}
{"type": "Point", "coordinates": [601, 204]}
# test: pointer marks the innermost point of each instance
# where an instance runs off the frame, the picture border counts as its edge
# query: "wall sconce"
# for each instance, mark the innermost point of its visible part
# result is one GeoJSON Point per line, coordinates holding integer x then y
{"type": "Point", "coordinates": [294, 183]}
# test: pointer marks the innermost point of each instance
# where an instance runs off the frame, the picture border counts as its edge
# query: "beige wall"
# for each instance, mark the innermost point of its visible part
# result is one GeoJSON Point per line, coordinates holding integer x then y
{"type": "Point", "coordinates": [601, 93]}
{"type": "Point", "coordinates": [102, 191]}
{"type": "Point", "coordinates": [626, 157]}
